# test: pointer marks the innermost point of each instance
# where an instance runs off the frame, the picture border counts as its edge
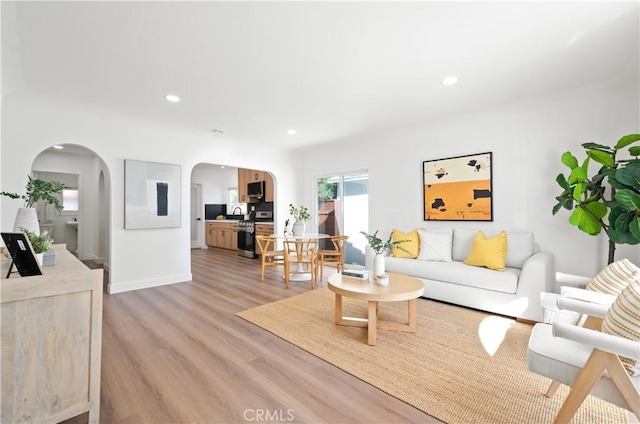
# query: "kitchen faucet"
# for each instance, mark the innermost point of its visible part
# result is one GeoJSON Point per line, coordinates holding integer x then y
{"type": "Point", "coordinates": [234, 210]}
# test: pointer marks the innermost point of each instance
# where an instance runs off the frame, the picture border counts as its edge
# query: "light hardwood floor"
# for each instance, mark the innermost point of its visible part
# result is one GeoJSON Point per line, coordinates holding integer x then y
{"type": "Point", "coordinates": [178, 354]}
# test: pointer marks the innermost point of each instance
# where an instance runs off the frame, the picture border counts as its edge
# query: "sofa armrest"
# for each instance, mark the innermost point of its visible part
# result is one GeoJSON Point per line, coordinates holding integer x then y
{"type": "Point", "coordinates": [539, 271]}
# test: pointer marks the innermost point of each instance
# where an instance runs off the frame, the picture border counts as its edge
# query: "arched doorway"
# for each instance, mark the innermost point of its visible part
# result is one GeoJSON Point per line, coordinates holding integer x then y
{"type": "Point", "coordinates": [83, 225]}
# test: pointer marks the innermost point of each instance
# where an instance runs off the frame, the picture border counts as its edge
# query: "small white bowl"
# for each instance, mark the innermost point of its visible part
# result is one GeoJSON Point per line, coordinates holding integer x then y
{"type": "Point", "coordinates": [382, 280]}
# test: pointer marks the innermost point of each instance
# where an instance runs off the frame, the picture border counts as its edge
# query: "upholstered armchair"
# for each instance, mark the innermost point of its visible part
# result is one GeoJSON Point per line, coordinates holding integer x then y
{"type": "Point", "coordinates": [584, 358]}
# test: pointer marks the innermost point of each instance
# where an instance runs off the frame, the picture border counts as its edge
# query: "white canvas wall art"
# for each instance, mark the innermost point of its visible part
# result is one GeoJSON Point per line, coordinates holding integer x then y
{"type": "Point", "coordinates": [152, 195]}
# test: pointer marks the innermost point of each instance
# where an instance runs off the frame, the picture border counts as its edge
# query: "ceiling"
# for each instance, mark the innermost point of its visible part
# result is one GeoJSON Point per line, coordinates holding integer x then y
{"type": "Point", "coordinates": [329, 70]}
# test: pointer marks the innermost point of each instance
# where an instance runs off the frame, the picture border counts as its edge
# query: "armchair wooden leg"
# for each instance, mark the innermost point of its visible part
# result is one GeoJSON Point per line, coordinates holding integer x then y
{"type": "Point", "coordinates": [553, 387]}
{"type": "Point", "coordinates": [588, 377]}
{"type": "Point", "coordinates": [621, 379]}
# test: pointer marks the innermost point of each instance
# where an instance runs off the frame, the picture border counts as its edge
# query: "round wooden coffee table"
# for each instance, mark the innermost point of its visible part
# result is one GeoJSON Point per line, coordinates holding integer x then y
{"type": "Point", "coordinates": [401, 287]}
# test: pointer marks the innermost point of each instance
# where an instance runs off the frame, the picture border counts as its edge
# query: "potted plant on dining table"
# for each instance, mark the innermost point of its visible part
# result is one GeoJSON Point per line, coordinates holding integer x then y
{"type": "Point", "coordinates": [301, 215]}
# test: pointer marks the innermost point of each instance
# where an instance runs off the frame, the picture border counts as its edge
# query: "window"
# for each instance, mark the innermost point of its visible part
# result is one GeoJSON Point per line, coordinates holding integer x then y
{"type": "Point", "coordinates": [343, 208]}
{"type": "Point", "coordinates": [70, 200]}
{"type": "Point", "coordinates": [233, 202]}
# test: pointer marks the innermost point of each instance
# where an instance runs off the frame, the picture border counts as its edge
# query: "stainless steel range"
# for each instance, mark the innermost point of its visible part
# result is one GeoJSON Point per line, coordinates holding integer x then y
{"type": "Point", "coordinates": [247, 233]}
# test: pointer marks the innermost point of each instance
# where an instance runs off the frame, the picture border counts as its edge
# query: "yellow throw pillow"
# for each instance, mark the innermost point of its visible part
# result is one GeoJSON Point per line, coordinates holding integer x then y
{"type": "Point", "coordinates": [410, 248]}
{"type": "Point", "coordinates": [490, 252]}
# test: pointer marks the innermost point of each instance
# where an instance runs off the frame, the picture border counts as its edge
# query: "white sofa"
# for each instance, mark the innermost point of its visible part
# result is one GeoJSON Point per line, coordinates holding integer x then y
{"type": "Point", "coordinates": [514, 292]}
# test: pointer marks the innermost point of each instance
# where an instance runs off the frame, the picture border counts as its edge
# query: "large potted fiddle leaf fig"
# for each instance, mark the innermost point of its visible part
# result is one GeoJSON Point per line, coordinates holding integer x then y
{"type": "Point", "coordinates": [608, 200]}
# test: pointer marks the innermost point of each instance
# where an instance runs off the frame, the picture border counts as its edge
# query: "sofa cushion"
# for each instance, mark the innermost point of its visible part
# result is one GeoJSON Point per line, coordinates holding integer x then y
{"type": "Point", "coordinates": [409, 248]}
{"type": "Point", "coordinates": [615, 277]}
{"type": "Point", "coordinates": [489, 252]}
{"type": "Point", "coordinates": [521, 245]}
{"type": "Point", "coordinates": [456, 273]}
{"type": "Point", "coordinates": [435, 245]}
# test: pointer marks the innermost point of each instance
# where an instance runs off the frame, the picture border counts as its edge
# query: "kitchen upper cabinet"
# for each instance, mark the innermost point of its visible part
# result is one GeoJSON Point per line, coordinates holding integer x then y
{"type": "Point", "coordinates": [253, 176]}
{"type": "Point", "coordinates": [268, 187]}
{"type": "Point", "coordinates": [243, 197]}
{"type": "Point", "coordinates": [246, 176]}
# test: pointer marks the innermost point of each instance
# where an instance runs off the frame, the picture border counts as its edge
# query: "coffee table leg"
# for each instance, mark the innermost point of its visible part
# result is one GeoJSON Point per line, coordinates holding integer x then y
{"type": "Point", "coordinates": [372, 327]}
{"type": "Point", "coordinates": [412, 314]}
{"type": "Point", "coordinates": [338, 312]}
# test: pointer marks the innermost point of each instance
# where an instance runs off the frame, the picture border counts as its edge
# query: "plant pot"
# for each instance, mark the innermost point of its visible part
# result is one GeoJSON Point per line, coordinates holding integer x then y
{"type": "Point", "coordinates": [26, 218]}
{"type": "Point", "coordinates": [378, 264]}
{"type": "Point", "coordinates": [298, 228]}
{"type": "Point", "coordinates": [40, 257]}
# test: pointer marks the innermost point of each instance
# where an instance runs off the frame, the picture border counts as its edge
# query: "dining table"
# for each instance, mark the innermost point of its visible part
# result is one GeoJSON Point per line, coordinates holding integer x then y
{"type": "Point", "coordinates": [304, 237]}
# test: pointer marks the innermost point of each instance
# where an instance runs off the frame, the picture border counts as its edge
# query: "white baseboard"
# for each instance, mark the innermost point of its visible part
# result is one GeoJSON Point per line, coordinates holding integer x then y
{"type": "Point", "coordinates": [145, 284]}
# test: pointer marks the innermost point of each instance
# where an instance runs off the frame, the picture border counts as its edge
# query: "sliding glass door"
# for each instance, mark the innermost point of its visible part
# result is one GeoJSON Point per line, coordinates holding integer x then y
{"type": "Point", "coordinates": [343, 208]}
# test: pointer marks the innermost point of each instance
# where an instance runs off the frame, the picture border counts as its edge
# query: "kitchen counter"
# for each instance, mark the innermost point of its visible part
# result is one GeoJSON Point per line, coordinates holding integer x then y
{"type": "Point", "coordinates": [223, 221]}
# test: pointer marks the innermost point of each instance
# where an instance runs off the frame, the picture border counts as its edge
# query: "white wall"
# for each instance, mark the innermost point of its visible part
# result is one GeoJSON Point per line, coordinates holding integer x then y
{"type": "Point", "coordinates": [138, 258]}
{"type": "Point", "coordinates": [527, 140]}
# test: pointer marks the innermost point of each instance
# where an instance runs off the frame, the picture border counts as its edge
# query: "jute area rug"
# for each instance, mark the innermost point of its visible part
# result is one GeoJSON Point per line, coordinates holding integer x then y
{"type": "Point", "coordinates": [461, 365]}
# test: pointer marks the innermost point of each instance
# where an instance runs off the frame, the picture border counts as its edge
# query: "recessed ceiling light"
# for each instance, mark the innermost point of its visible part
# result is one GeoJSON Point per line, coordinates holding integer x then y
{"type": "Point", "coordinates": [172, 98]}
{"type": "Point", "coordinates": [57, 146]}
{"type": "Point", "coordinates": [291, 131]}
{"type": "Point", "coordinates": [450, 80]}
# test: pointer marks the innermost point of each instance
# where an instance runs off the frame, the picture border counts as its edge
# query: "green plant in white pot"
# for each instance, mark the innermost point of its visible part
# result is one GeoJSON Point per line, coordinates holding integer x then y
{"type": "Point", "coordinates": [379, 247]}
{"type": "Point", "coordinates": [35, 191]}
{"type": "Point", "coordinates": [40, 242]}
{"type": "Point", "coordinates": [301, 215]}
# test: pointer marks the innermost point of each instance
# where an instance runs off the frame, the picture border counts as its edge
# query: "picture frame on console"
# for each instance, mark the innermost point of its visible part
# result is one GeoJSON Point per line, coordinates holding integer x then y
{"type": "Point", "coordinates": [458, 188]}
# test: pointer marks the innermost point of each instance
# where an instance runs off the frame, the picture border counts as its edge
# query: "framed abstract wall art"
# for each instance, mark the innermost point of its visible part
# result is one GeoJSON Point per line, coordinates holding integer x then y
{"type": "Point", "coordinates": [458, 188]}
{"type": "Point", "coordinates": [152, 195]}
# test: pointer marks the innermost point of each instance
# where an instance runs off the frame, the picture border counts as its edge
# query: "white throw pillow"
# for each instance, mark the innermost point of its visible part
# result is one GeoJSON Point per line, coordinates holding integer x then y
{"type": "Point", "coordinates": [435, 245]}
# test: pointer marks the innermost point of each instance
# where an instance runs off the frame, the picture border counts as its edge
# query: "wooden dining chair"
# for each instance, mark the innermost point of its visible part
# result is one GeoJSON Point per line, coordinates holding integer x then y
{"type": "Point", "coordinates": [333, 256]}
{"type": "Point", "coordinates": [300, 258]}
{"type": "Point", "coordinates": [270, 256]}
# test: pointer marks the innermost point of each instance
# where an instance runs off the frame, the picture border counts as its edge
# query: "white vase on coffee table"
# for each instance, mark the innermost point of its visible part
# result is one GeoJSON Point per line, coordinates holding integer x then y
{"type": "Point", "coordinates": [378, 264]}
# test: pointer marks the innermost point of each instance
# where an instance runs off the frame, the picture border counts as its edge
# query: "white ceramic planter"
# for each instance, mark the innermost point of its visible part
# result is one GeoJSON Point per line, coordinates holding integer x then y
{"type": "Point", "coordinates": [378, 264]}
{"type": "Point", "coordinates": [27, 218]}
{"type": "Point", "coordinates": [298, 228]}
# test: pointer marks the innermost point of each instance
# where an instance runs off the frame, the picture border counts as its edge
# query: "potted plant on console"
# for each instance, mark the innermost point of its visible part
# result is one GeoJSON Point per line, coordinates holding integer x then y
{"type": "Point", "coordinates": [41, 243]}
{"type": "Point", "coordinates": [36, 190]}
{"type": "Point", "coordinates": [301, 215]}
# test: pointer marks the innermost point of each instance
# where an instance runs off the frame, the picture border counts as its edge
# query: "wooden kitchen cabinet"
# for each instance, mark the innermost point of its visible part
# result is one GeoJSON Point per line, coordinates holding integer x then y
{"type": "Point", "coordinates": [264, 230]}
{"type": "Point", "coordinates": [253, 176]}
{"type": "Point", "coordinates": [210, 234]}
{"type": "Point", "coordinates": [268, 187]}
{"type": "Point", "coordinates": [243, 197]}
{"type": "Point", "coordinates": [222, 234]}
{"type": "Point", "coordinates": [246, 176]}
{"type": "Point", "coordinates": [234, 237]}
